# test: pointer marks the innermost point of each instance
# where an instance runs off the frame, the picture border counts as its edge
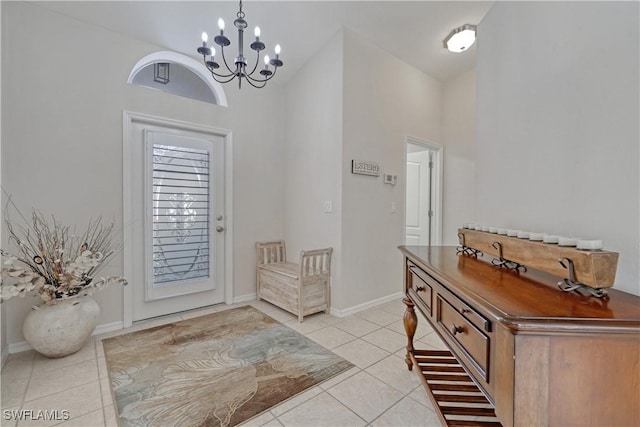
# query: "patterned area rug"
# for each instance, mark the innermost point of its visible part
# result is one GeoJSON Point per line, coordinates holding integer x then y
{"type": "Point", "coordinates": [215, 370]}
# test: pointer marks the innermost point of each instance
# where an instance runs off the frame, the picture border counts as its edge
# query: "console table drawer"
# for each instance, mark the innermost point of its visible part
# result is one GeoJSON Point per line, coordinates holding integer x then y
{"type": "Point", "coordinates": [419, 283]}
{"type": "Point", "coordinates": [471, 340]}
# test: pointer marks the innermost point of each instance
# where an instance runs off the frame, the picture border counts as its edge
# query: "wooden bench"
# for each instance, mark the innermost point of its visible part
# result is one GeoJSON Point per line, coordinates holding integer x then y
{"type": "Point", "coordinates": [301, 289]}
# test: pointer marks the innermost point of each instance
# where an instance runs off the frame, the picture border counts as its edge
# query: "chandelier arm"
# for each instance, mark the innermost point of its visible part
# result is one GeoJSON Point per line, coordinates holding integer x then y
{"type": "Point", "coordinates": [222, 76]}
{"type": "Point", "coordinates": [233, 76]}
{"type": "Point", "coordinates": [251, 82]}
{"type": "Point", "coordinates": [224, 59]}
{"type": "Point", "coordinates": [265, 80]}
{"type": "Point", "coordinates": [256, 65]}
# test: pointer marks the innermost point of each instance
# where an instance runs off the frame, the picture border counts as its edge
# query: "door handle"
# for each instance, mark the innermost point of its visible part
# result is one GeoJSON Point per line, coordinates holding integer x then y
{"type": "Point", "coordinates": [219, 229]}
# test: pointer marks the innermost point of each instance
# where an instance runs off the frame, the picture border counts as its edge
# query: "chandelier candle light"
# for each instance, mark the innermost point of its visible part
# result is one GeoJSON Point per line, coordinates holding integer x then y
{"type": "Point", "coordinates": [240, 61]}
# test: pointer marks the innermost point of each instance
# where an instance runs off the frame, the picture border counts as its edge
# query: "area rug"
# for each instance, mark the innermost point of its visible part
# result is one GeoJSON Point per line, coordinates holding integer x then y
{"type": "Point", "coordinates": [215, 370]}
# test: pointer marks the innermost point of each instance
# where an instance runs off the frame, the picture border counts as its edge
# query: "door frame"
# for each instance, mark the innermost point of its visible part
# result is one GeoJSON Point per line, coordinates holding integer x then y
{"type": "Point", "coordinates": [436, 225]}
{"type": "Point", "coordinates": [128, 119]}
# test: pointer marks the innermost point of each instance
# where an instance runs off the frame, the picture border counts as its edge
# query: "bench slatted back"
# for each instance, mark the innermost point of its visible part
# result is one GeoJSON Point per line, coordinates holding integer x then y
{"type": "Point", "coordinates": [270, 252]}
{"type": "Point", "coordinates": [316, 262]}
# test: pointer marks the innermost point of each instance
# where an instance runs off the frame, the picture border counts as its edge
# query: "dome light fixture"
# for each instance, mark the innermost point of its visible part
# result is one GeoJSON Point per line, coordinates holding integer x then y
{"type": "Point", "coordinates": [240, 68]}
{"type": "Point", "coordinates": [461, 38]}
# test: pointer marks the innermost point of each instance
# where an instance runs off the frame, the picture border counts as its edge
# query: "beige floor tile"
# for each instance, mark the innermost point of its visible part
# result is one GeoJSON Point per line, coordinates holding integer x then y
{"type": "Point", "coordinates": [99, 347]}
{"type": "Point", "coordinates": [327, 318]}
{"type": "Point", "coordinates": [110, 417]}
{"type": "Point", "coordinates": [407, 413]}
{"type": "Point", "coordinates": [402, 353]}
{"type": "Point", "coordinates": [280, 315]}
{"type": "Point", "coordinates": [379, 317]}
{"type": "Point", "coordinates": [78, 401]}
{"type": "Point", "coordinates": [13, 390]}
{"type": "Point", "coordinates": [92, 419]}
{"type": "Point", "coordinates": [339, 378]}
{"type": "Point", "coordinates": [423, 329]}
{"type": "Point", "coordinates": [295, 401]}
{"type": "Point", "coordinates": [361, 353]}
{"type": "Point", "coordinates": [356, 326]}
{"type": "Point", "coordinates": [331, 337]}
{"type": "Point", "coordinates": [394, 372]}
{"type": "Point", "coordinates": [273, 423]}
{"type": "Point", "coordinates": [376, 394]}
{"type": "Point", "coordinates": [323, 410]}
{"type": "Point", "coordinates": [308, 326]}
{"type": "Point", "coordinates": [43, 364]}
{"type": "Point", "coordinates": [105, 389]}
{"type": "Point", "coordinates": [18, 365]}
{"type": "Point", "coordinates": [419, 394]}
{"type": "Point", "coordinates": [61, 379]}
{"type": "Point", "coordinates": [386, 339]}
{"type": "Point", "coordinates": [260, 420]}
{"type": "Point", "coordinates": [394, 307]}
{"type": "Point", "coordinates": [365, 395]}
{"type": "Point", "coordinates": [262, 305]}
{"type": "Point", "coordinates": [9, 419]}
{"type": "Point", "coordinates": [103, 372]}
{"type": "Point", "coordinates": [431, 340]}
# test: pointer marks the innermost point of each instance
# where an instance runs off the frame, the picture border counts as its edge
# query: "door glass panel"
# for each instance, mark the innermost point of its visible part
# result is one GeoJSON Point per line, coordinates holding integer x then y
{"type": "Point", "coordinates": [180, 214]}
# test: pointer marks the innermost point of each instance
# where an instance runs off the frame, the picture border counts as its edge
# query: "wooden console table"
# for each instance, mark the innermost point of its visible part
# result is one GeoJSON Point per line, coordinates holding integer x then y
{"type": "Point", "coordinates": [531, 353]}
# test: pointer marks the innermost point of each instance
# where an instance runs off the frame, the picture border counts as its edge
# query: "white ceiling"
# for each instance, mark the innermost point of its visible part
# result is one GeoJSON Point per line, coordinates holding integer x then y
{"type": "Point", "coordinates": [412, 30]}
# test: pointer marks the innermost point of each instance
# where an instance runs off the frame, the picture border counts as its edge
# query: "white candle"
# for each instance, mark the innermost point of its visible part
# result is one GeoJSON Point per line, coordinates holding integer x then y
{"type": "Point", "coordinates": [567, 241]}
{"type": "Point", "coordinates": [589, 245]}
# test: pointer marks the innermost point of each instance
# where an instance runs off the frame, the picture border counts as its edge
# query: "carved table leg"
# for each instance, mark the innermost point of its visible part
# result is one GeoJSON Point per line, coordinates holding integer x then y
{"type": "Point", "coordinates": [410, 324]}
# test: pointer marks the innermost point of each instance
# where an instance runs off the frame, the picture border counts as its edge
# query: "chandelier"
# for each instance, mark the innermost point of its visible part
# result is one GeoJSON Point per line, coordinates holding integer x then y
{"type": "Point", "coordinates": [240, 70]}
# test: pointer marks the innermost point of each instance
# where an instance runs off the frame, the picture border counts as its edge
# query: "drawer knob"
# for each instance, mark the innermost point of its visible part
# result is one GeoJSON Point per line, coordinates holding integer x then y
{"type": "Point", "coordinates": [464, 310]}
{"type": "Point", "coordinates": [456, 329]}
{"type": "Point", "coordinates": [419, 288]}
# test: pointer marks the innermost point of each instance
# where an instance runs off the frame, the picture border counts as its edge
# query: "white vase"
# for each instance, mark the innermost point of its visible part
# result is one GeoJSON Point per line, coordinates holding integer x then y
{"type": "Point", "coordinates": [60, 329]}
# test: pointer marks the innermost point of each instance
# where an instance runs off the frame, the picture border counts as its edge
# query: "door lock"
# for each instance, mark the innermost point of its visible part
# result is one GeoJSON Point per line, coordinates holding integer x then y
{"type": "Point", "coordinates": [219, 229]}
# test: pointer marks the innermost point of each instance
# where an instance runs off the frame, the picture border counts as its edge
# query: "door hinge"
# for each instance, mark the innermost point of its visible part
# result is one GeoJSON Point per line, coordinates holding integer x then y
{"type": "Point", "coordinates": [430, 213]}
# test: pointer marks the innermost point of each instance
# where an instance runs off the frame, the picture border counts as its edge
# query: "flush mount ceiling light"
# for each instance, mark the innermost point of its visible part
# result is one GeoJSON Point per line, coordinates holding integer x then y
{"type": "Point", "coordinates": [240, 69]}
{"type": "Point", "coordinates": [461, 38]}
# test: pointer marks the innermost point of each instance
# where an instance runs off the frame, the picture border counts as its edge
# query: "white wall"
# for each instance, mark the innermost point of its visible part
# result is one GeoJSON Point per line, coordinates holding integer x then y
{"type": "Point", "coordinates": [557, 123]}
{"type": "Point", "coordinates": [458, 138]}
{"type": "Point", "coordinates": [313, 155]}
{"type": "Point", "coordinates": [385, 100]}
{"type": "Point", "coordinates": [62, 136]}
{"type": "Point", "coordinates": [3, 313]}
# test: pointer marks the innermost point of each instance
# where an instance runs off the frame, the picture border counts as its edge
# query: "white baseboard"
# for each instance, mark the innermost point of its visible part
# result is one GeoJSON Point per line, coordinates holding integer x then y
{"type": "Point", "coordinates": [244, 298]}
{"type": "Point", "coordinates": [108, 327]}
{"type": "Point", "coordinates": [17, 347]}
{"type": "Point", "coordinates": [366, 305]}
{"type": "Point", "coordinates": [5, 356]}
{"type": "Point", "coordinates": [20, 346]}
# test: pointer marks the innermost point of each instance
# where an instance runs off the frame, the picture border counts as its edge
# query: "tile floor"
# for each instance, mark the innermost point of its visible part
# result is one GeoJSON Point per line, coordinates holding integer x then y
{"type": "Point", "coordinates": [378, 391]}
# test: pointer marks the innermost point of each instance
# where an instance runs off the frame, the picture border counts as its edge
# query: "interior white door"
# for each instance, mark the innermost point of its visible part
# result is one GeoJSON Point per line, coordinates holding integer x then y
{"type": "Point", "coordinates": [417, 198]}
{"type": "Point", "coordinates": [178, 220]}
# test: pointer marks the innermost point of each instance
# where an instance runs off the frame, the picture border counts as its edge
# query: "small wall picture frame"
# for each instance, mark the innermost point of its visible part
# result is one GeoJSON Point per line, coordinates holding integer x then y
{"type": "Point", "coordinates": [360, 167]}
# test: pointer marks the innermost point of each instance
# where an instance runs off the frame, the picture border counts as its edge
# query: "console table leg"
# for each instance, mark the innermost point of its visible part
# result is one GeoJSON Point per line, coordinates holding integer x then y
{"type": "Point", "coordinates": [410, 324]}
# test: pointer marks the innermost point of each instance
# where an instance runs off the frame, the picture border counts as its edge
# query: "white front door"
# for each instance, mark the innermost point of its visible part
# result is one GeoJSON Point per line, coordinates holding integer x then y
{"type": "Point", "coordinates": [176, 252]}
{"type": "Point", "coordinates": [418, 195]}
